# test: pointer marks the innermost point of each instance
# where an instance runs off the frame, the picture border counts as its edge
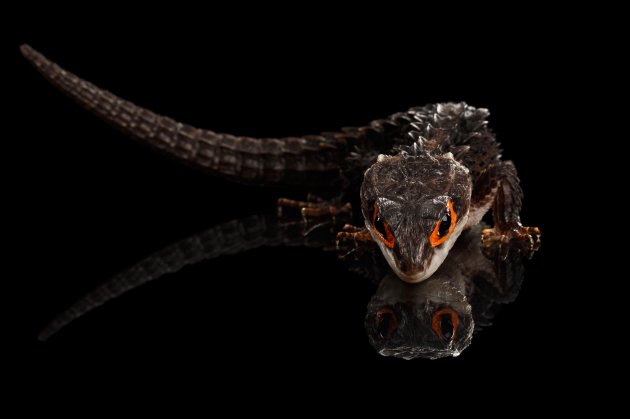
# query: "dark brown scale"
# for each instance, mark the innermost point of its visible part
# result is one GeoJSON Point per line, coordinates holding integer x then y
{"type": "Point", "coordinates": [483, 152]}
{"type": "Point", "coordinates": [313, 160]}
{"type": "Point", "coordinates": [242, 158]}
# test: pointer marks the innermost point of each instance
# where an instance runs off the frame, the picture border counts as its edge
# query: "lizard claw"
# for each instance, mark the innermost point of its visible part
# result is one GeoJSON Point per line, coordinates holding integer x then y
{"type": "Point", "coordinates": [525, 239]}
{"type": "Point", "coordinates": [351, 239]}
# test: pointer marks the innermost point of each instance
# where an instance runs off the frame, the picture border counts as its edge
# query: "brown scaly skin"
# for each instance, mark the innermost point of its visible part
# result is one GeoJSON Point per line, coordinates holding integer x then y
{"type": "Point", "coordinates": [426, 174]}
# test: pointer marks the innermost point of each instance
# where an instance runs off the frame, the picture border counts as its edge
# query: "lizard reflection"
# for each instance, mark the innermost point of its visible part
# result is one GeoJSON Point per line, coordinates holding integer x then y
{"type": "Point", "coordinates": [432, 319]}
{"type": "Point", "coordinates": [437, 318]}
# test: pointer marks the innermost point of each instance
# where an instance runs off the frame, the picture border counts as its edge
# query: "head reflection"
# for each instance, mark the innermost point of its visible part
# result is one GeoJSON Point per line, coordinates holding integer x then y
{"type": "Point", "coordinates": [432, 319]}
{"type": "Point", "coordinates": [437, 318]}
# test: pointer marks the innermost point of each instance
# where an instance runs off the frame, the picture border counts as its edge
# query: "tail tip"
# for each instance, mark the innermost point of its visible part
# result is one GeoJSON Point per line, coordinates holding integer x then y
{"type": "Point", "coordinates": [45, 334]}
{"type": "Point", "coordinates": [26, 50]}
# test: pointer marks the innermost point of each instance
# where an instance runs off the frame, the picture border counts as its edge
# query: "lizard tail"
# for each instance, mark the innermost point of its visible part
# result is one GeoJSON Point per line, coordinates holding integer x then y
{"type": "Point", "coordinates": [290, 160]}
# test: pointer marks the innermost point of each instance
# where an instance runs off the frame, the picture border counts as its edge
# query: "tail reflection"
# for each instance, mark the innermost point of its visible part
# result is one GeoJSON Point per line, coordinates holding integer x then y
{"type": "Point", "coordinates": [230, 238]}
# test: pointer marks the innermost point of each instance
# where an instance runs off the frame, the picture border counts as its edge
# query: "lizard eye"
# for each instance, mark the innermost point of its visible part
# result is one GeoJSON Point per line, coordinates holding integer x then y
{"type": "Point", "coordinates": [386, 323]}
{"type": "Point", "coordinates": [382, 229]}
{"type": "Point", "coordinates": [444, 324]}
{"type": "Point", "coordinates": [444, 227]}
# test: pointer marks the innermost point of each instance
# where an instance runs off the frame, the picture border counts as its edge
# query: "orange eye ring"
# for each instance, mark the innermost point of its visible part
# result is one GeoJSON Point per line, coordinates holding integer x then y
{"type": "Point", "coordinates": [436, 238]}
{"type": "Point", "coordinates": [436, 322]}
{"type": "Point", "coordinates": [381, 314]}
{"type": "Point", "coordinates": [388, 239]}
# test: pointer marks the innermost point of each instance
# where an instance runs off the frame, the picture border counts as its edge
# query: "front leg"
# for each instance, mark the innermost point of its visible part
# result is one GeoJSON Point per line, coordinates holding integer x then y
{"type": "Point", "coordinates": [315, 207]}
{"type": "Point", "coordinates": [353, 239]}
{"type": "Point", "coordinates": [350, 240]}
{"type": "Point", "coordinates": [498, 188]}
{"type": "Point", "coordinates": [357, 234]}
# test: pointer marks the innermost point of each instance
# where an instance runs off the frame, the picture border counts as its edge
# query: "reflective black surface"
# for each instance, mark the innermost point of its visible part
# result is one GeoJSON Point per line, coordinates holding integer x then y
{"type": "Point", "coordinates": [88, 203]}
{"type": "Point", "coordinates": [432, 319]}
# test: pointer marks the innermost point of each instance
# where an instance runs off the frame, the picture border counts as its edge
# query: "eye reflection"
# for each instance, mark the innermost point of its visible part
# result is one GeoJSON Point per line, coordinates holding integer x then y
{"type": "Point", "coordinates": [386, 322]}
{"type": "Point", "coordinates": [444, 324]}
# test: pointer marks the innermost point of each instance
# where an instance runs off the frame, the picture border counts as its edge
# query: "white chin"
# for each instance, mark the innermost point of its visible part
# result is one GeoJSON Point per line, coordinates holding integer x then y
{"type": "Point", "coordinates": [420, 276]}
{"type": "Point", "coordinates": [415, 278]}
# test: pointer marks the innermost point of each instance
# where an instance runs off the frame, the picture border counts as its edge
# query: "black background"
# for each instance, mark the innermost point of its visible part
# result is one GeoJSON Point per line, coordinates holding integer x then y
{"type": "Point", "coordinates": [88, 202]}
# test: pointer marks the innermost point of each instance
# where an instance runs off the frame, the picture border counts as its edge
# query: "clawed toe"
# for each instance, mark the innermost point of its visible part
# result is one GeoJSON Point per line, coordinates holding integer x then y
{"type": "Point", "coordinates": [526, 239]}
{"type": "Point", "coordinates": [352, 233]}
{"type": "Point", "coordinates": [352, 239]}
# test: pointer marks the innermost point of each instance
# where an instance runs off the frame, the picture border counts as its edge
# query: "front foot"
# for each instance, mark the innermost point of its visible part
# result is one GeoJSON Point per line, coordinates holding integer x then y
{"type": "Point", "coordinates": [526, 239]}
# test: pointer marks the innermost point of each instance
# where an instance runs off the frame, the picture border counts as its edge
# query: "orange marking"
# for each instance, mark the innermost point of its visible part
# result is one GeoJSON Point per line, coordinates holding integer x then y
{"type": "Point", "coordinates": [394, 321]}
{"type": "Point", "coordinates": [436, 322]}
{"type": "Point", "coordinates": [390, 240]}
{"type": "Point", "coordinates": [435, 238]}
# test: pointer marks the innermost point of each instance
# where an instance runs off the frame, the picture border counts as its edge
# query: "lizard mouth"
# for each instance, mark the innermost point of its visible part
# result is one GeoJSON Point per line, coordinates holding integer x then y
{"type": "Point", "coordinates": [411, 272]}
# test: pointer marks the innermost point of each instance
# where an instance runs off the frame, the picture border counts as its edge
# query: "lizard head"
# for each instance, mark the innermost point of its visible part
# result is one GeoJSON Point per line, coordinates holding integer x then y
{"type": "Point", "coordinates": [415, 207]}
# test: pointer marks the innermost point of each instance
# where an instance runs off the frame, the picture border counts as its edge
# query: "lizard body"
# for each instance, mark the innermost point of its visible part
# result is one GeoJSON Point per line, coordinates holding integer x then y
{"type": "Point", "coordinates": [426, 174]}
